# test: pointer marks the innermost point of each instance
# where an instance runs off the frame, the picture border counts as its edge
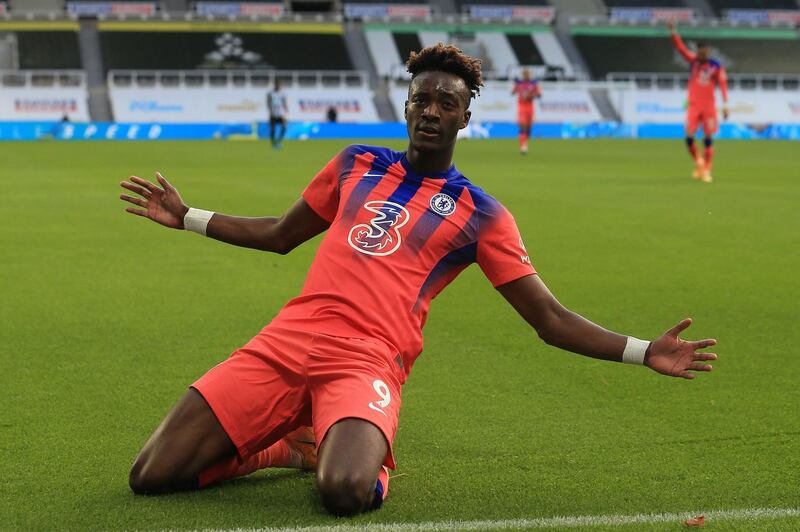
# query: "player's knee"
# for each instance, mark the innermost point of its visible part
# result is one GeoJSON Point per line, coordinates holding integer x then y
{"type": "Point", "coordinates": [708, 142]}
{"type": "Point", "coordinates": [146, 478]}
{"type": "Point", "coordinates": [345, 493]}
{"type": "Point", "coordinates": [690, 141]}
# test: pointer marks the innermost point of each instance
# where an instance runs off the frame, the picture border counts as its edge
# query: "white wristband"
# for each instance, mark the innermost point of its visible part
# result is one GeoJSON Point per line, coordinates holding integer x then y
{"type": "Point", "coordinates": [197, 220]}
{"type": "Point", "coordinates": [634, 351]}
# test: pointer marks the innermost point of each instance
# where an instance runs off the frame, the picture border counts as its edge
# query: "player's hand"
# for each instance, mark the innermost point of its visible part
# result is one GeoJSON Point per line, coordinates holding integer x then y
{"type": "Point", "coordinates": [162, 205]}
{"type": "Point", "coordinates": [669, 355]}
{"type": "Point", "coordinates": [725, 113]}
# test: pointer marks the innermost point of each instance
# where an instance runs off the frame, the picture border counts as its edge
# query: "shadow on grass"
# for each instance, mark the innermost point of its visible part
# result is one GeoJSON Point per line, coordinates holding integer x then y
{"type": "Point", "coordinates": [264, 499]}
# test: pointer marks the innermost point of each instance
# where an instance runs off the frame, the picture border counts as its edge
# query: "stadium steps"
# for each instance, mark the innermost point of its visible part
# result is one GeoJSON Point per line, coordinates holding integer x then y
{"type": "Point", "coordinates": [356, 43]}
{"type": "Point", "coordinates": [8, 51]}
{"type": "Point", "coordinates": [551, 51]}
{"type": "Point", "coordinates": [501, 55]}
{"type": "Point", "coordinates": [430, 38]}
{"type": "Point", "coordinates": [92, 61]}
{"type": "Point", "coordinates": [406, 43]}
{"type": "Point", "coordinates": [604, 106]}
{"type": "Point", "coordinates": [701, 8]}
{"type": "Point", "coordinates": [579, 7]}
{"type": "Point", "coordinates": [525, 49]}
{"type": "Point", "coordinates": [175, 6]}
{"type": "Point", "coordinates": [561, 27]}
{"type": "Point", "coordinates": [36, 6]}
{"type": "Point", "coordinates": [383, 51]}
{"type": "Point", "coordinates": [444, 6]}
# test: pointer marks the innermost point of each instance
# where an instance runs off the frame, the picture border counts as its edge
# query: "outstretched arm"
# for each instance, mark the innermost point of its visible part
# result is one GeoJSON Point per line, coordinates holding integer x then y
{"type": "Point", "coordinates": [679, 45]}
{"type": "Point", "coordinates": [277, 234]}
{"type": "Point", "coordinates": [722, 78]}
{"type": "Point", "coordinates": [560, 327]}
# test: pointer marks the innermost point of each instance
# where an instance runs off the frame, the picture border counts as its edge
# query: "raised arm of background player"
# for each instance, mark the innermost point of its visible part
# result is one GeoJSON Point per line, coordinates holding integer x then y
{"type": "Point", "coordinates": [690, 58]}
{"type": "Point", "coordinates": [679, 45]}
{"type": "Point", "coordinates": [276, 234]}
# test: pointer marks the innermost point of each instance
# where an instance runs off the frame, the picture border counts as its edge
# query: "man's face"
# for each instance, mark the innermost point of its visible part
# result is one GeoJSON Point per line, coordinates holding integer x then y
{"type": "Point", "coordinates": [436, 109]}
{"type": "Point", "coordinates": [526, 74]}
{"type": "Point", "coordinates": [703, 54]}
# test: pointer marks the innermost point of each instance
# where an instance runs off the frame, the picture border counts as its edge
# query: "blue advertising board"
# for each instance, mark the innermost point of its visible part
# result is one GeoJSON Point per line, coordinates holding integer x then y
{"type": "Point", "coordinates": [90, 131]}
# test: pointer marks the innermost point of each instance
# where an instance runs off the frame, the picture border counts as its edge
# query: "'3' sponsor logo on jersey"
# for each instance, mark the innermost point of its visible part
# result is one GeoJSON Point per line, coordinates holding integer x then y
{"type": "Point", "coordinates": [381, 236]}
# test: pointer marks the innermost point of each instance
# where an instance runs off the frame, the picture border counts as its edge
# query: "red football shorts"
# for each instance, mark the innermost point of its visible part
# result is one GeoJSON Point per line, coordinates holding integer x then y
{"type": "Point", "coordinates": [702, 115]}
{"type": "Point", "coordinates": [283, 379]}
{"type": "Point", "coordinates": [525, 114]}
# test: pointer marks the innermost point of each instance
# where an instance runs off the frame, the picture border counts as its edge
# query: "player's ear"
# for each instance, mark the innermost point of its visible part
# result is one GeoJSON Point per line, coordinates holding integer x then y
{"type": "Point", "coordinates": [465, 119]}
{"type": "Point", "coordinates": [405, 110]}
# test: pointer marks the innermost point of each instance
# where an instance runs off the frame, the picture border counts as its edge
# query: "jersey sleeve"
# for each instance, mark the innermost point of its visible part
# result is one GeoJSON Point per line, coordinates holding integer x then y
{"type": "Point", "coordinates": [322, 194]}
{"type": "Point", "coordinates": [677, 42]}
{"type": "Point", "coordinates": [501, 253]}
{"type": "Point", "coordinates": [722, 80]}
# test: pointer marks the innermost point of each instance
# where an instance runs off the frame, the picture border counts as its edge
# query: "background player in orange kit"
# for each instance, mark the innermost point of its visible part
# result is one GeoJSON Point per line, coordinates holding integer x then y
{"type": "Point", "coordinates": [705, 75]}
{"type": "Point", "coordinates": [400, 226]}
{"type": "Point", "coordinates": [527, 90]}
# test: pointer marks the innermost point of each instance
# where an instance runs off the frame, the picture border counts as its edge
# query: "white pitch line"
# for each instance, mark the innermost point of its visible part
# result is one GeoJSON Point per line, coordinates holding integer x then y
{"type": "Point", "coordinates": [550, 522]}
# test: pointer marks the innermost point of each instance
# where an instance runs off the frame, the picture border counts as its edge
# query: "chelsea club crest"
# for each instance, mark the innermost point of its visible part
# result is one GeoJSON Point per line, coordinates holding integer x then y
{"type": "Point", "coordinates": [443, 204]}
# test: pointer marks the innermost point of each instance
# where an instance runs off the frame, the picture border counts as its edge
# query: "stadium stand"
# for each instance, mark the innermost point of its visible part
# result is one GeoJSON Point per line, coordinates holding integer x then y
{"type": "Point", "coordinates": [648, 50]}
{"type": "Point", "coordinates": [525, 50]}
{"type": "Point", "coordinates": [191, 50]}
{"type": "Point", "coordinates": [181, 45]}
{"type": "Point", "coordinates": [720, 6]}
{"type": "Point", "coordinates": [465, 3]}
{"type": "Point", "coordinates": [645, 3]}
{"type": "Point", "coordinates": [402, 2]}
{"type": "Point", "coordinates": [406, 43]}
{"type": "Point", "coordinates": [48, 49]}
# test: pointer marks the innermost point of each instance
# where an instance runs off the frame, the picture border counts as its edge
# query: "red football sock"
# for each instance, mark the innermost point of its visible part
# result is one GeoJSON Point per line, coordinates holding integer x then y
{"type": "Point", "coordinates": [523, 138]}
{"type": "Point", "coordinates": [277, 455]}
{"type": "Point", "coordinates": [381, 488]}
{"type": "Point", "coordinates": [693, 151]}
{"type": "Point", "coordinates": [709, 154]}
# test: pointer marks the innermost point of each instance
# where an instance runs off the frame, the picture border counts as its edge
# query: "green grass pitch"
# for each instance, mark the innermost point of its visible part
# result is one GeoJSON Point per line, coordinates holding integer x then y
{"type": "Point", "coordinates": [106, 318]}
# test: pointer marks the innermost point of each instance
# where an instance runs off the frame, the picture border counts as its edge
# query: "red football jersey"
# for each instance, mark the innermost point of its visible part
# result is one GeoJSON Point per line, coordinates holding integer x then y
{"type": "Point", "coordinates": [704, 77]}
{"type": "Point", "coordinates": [396, 239]}
{"type": "Point", "coordinates": [526, 91]}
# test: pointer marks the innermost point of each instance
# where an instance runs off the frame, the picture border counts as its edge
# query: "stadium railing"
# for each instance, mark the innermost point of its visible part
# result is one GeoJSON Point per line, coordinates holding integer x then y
{"type": "Point", "coordinates": [43, 78]}
{"type": "Point", "coordinates": [667, 80]}
{"type": "Point", "coordinates": [697, 21]}
{"type": "Point", "coordinates": [354, 79]}
{"type": "Point", "coordinates": [540, 72]}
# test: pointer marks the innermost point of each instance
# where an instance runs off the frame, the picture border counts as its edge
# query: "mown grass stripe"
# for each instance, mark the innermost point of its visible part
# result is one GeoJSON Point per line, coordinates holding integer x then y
{"type": "Point", "coordinates": [745, 514]}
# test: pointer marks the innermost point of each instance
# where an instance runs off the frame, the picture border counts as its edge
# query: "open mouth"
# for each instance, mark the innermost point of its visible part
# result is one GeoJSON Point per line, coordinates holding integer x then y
{"type": "Point", "coordinates": [428, 131]}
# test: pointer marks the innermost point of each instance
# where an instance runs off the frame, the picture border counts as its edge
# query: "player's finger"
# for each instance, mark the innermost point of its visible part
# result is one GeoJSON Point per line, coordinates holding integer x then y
{"type": "Point", "coordinates": [136, 188]}
{"type": "Point", "coordinates": [136, 201]}
{"type": "Point", "coordinates": [686, 375]}
{"type": "Point", "coordinates": [705, 356]}
{"type": "Point", "coordinates": [700, 344]}
{"type": "Point", "coordinates": [164, 183]}
{"type": "Point", "coordinates": [680, 327]}
{"type": "Point", "coordinates": [144, 182]}
{"type": "Point", "coordinates": [135, 211]}
{"type": "Point", "coordinates": [698, 366]}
